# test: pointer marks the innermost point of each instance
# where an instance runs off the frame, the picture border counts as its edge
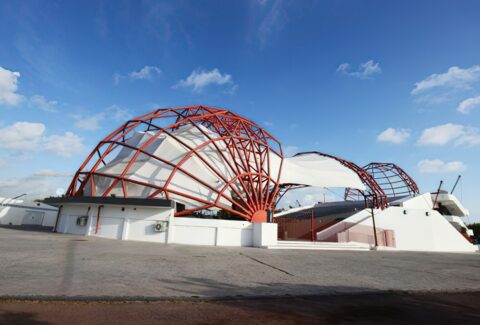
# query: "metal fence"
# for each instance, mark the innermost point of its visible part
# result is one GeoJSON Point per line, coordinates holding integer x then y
{"type": "Point", "coordinates": [305, 227]}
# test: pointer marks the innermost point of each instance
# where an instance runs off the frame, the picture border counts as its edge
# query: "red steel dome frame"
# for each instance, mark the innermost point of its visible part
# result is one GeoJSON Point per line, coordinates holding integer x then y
{"type": "Point", "coordinates": [248, 149]}
{"type": "Point", "coordinates": [393, 180]}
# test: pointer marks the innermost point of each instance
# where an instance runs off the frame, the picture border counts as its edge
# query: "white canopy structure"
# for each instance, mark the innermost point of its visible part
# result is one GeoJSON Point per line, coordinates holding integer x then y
{"type": "Point", "coordinates": [204, 158]}
{"type": "Point", "coordinates": [320, 171]}
{"type": "Point", "coordinates": [164, 153]}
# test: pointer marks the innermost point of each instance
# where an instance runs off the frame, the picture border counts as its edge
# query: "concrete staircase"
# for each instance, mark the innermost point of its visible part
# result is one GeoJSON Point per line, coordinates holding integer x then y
{"type": "Point", "coordinates": [283, 244]}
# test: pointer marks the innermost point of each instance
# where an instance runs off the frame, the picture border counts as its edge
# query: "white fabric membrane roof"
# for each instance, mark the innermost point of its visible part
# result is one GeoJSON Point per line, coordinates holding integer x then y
{"type": "Point", "coordinates": [320, 171]}
{"type": "Point", "coordinates": [309, 170]}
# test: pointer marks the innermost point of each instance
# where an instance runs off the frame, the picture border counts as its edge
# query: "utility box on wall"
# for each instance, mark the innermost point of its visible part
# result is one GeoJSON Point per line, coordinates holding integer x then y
{"type": "Point", "coordinates": [82, 221]}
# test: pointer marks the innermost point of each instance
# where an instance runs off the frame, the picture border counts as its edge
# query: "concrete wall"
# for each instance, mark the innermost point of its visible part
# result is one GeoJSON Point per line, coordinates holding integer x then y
{"type": "Point", "coordinates": [137, 223]}
{"type": "Point", "coordinates": [116, 222]}
{"type": "Point", "coordinates": [196, 231]}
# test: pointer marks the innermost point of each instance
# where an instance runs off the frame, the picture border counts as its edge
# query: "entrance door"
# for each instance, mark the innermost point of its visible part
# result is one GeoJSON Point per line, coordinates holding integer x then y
{"type": "Point", "coordinates": [33, 218]}
{"type": "Point", "coordinates": [111, 227]}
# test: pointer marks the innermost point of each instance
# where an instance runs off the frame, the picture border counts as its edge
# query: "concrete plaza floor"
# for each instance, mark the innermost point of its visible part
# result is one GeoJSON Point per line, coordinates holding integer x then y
{"type": "Point", "coordinates": [48, 265]}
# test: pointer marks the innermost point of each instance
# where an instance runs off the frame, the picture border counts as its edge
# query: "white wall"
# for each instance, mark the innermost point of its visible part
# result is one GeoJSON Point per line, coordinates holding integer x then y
{"type": "Point", "coordinates": [67, 221]}
{"type": "Point", "coordinates": [196, 231]}
{"type": "Point", "coordinates": [49, 219]}
{"type": "Point", "coordinates": [422, 202]}
{"type": "Point", "coordinates": [136, 223]}
{"type": "Point", "coordinates": [415, 230]}
{"type": "Point", "coordinates": [116, 222]}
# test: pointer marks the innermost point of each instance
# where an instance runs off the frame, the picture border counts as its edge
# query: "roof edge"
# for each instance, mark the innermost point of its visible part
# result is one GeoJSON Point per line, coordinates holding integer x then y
{"type": "Point", "coordinates": [57, 201]}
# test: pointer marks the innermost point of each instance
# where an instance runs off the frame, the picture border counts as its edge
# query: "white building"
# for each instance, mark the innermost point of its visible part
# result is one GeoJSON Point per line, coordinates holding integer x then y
{"type": "Point", "coordinates": [206, 176]}
{"type": "Point", "coordinates": [410, 224]}
{"type": "Point", "coordinates": [153, 220]}
{"type": "Point", "coordinates": [15, 212]}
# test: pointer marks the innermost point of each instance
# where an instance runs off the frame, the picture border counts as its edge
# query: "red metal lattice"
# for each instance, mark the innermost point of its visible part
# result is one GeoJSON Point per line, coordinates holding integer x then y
{"type": "Point", "coordinates": [393, 180]}
{"type": "Point", "coordinates": [242, 146]}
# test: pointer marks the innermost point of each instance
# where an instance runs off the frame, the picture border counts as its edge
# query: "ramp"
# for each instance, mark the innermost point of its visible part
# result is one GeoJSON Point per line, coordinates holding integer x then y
{"type": "Point", "coordinates": [351, 246]}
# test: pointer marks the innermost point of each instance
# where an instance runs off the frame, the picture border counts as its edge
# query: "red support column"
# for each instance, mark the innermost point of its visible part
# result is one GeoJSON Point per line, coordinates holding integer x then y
{"type": "Point", "coordinates": [97, 226]}
{"type": "Point", "coordinates": [313, 224]}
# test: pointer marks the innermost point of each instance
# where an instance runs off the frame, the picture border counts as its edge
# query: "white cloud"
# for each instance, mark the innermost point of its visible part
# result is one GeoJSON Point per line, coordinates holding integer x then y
{"type": "Point", "coordinates": [199, 80]}
{"type": "Point", "coordinates": [441, 134]}
{"type": "Point", "coordinates": [148, 72]}
{"type": "Point", "coordinates": [42, 103]}
{"type": "Point", "coordinates": [392, 135]}
{"type": "Point", "coordinates": [89, 123]}
{"type": "Point", "coordinates": [26, 136]}
{"type": "Point", "coordinates": [117, 77]}
{"type": "Point", "coordinates": [343, 68]}
{"type": "Point", "coordinates": [438, 166]}
{"type": "Point", "coordinates": [36, 187]}
{"type": "Point", "coordinates": [468, 105]}
{"type": "Point", "coordinates": [470, 137]}
{"type": "Point", "coordinates": [21, 136]}
{"type": "Point", "coordinates": [8, 87]}
{"type": "Point", "coordinates": [366, 70]}
{"type": "Point", "coordinates": [273, 20]}
{"type": "Point", "coordinates": [92, 122]}
{"type": "Point", "coordinates": [10, 97]}
{"type": "Point", "coordinates": [117, 113]}
{"type": "Point", "coordinates": [64, 145]}
{"type": "Point", "coordinates": [50, 173]}
{"type": "Point", "coordinates": [267, 123]}
{"type": "Point", "coordinates": [455, 77]}
{"type": "Point", "coordinates": [447, 133]}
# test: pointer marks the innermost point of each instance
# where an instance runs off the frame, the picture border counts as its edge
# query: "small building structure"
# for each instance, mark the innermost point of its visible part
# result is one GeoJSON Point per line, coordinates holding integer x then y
{"type": "Point", "coordinates": [16, 212]}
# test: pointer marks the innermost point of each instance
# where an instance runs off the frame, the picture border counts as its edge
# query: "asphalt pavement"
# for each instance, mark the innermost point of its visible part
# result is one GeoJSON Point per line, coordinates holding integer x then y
{"type": "Point", "coordinates": [40, 265]}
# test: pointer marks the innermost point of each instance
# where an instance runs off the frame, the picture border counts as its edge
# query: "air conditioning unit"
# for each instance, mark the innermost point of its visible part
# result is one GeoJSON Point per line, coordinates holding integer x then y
{"type": "Point", "coordinates": [82, 221]}
{"type": "Point", "coordinates": [160, 226]}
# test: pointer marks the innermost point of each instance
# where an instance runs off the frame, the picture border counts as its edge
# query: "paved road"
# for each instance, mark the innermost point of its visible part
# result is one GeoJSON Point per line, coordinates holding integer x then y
{"type": "Point", "coordinates": [55, 265]}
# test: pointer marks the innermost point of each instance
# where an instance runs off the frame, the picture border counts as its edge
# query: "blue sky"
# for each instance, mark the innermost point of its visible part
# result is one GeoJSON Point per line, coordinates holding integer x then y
{"type": "Point", "coordinates": [365, 80]}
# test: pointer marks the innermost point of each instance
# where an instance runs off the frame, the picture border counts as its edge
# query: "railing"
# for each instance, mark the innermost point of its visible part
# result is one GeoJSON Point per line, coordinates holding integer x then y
{"type": "Point", "coordinates": [301, 227]}
{"type": "Point", "coordinates": [385, 238]}
{"type": "Point", "coordinates": [306, 226]}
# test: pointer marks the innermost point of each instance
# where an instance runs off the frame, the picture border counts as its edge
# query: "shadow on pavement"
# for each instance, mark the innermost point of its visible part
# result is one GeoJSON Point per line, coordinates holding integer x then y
{"type": "Point", "coordinates": [7, 317]}
{"type": "Point", "coordinates": [379, 308]}
{"type": "Point", "coordinates": [28, 228]}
